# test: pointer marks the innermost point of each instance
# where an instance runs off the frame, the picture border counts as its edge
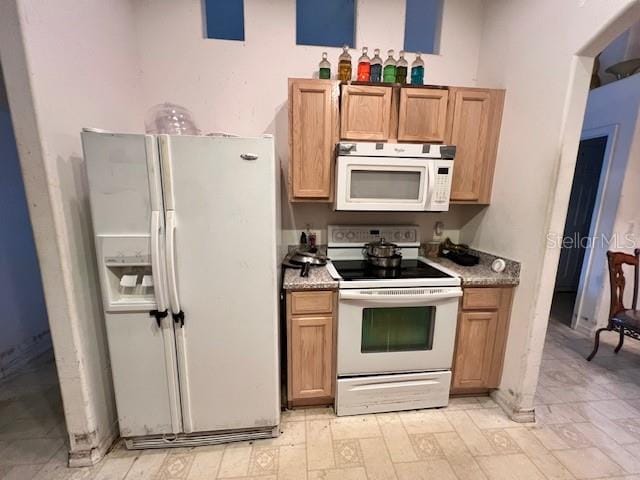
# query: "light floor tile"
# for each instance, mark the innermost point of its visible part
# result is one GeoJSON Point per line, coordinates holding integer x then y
{"type": "Point", "coordinates": [491, 418]}
{"type": "Point", "coordinates": [615, 409]}
{"type": "Point", "coordinates": [549, 465]}
{"type": "Point", "coordinates": [347, 453]}
{"type": "Point", "coordinates": [426, 446]}
{"type": "Point", "coordinates": [20, 472]}
{"type": "Point", "coordinates": [396, 438]}
{"type": "Point", "coordinates": [510, 467]}
{"type": "Point", "coordinates": [436, 468]}
{"type": "Point", "coordinates": [462, 462]}
{"type": "Point", "coordinates": [357, 426]}
{"type": "Point", "coordinates": [548, 437]}
{"type": "Point", "coordinates": [146, 465]}
{"type": "Point", "coordinates": [320, 413]}
{"type": "Point", "coordinates": [357, 473]}
{"type": "Point", "coordinates": [206, 463]}
{"type": "Point", "coordinates": [425, 421]}
{"type": "Point", "coordinates": [376, 459]}
{"type": "Point", "coordinates": [29, 451]}
{"type": "Point", "coordinates": [235, 462]}
{"type": "Point", "coordinates": [588, 463]}
{"type": "Point", "coordinates": [319, 445]}
{"type": "Point", "coordinates": [264, 461]}
{"type": "Point", "coordinates": [470, 434]}
{"type": "Point", "coordinates": [292, 463]}
{"type": "Point", "coordinates": [114, 468]}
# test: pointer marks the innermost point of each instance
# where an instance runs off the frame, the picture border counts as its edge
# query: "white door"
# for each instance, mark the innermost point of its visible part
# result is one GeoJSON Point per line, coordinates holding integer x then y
{"type": "Point", "coordinates": [220, 196]}
{"type": "Point", "coordinates": [396, 330]}
{"type": "Point", "coordinates": [126, 205]}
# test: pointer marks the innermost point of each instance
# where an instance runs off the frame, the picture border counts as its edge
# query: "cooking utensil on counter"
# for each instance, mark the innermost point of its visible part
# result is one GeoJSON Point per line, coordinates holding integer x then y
{"type": "Point", "coordinates": [304, 261]}
{"type": "Point", "coordinates": [383, 254]}
{"type": "Point", "coordinates": [381, 248]}
{"type": "Point", "coordinates": [458, 253]}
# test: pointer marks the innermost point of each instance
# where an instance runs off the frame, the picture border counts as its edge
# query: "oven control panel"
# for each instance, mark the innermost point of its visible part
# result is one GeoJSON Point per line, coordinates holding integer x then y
{"type": "Point", "coordinates": [404, 235]}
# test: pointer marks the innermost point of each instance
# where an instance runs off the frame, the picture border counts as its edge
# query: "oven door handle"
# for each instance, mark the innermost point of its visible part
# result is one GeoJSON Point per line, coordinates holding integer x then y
{"type": "Point", "coordinates": [396, 299]}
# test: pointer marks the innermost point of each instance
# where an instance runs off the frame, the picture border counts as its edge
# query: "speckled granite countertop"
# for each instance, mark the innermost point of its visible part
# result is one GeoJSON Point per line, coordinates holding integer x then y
{"type": "Point", "coordinates": [318, 279]}
{"type": "Point", "coordinates": [481, 275]}
{"type": "Point", "coordinates": [477, 276]}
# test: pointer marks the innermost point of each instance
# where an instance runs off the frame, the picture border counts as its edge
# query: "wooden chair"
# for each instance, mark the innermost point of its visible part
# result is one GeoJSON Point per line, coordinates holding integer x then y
{"type": "Point", "coordinates": [622, 320]}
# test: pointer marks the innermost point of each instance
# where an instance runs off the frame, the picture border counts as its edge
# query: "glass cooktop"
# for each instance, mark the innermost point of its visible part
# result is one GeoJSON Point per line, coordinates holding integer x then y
{"type": "Point", "coordinates": [363, 270]}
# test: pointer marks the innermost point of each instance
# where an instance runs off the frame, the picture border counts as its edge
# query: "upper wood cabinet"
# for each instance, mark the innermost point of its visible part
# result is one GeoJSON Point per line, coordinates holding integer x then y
{"type": "Point", "coordinates": [483, 324]}
{"type": "Point", "coordinates": [319, 116]}
{"type": "Point", "coordinates": [365, 112]}
{"type": "Point", "coordinates": [313, 124]}
{"type": "Point", "coordinates": [473, 126]}
{"type": "Point", "coordinates": [423, 114]}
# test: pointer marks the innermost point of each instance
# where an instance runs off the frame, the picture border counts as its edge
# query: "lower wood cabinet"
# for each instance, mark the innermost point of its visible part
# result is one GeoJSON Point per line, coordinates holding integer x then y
{"type": "Point", "coordinates": [311, 339]}
{"type": "Point", "coordinates": [483, 325]}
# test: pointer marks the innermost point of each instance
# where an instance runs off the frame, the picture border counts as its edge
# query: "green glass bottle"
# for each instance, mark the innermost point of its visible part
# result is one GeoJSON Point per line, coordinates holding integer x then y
{"type": "Point", "coordinates": [389, 69]}
{"type": "Point", "coordinates": [402, 68]}
{"type": "Point", "coordinates": [324, 68]}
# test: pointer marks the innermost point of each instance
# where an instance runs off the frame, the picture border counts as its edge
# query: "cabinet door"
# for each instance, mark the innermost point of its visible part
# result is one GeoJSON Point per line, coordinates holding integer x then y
{"type": "Point", "coordinates": [473, 126]}
{"type": "Point", "coordinates": [474, 349]}
{"type": "Point", "coordinates": [313, 123]}
{"type": "Point", "coordinates": [366, 112]}
{"type": "Point", "coordinates": [311, 357]}
{"type": "Point", "coordinates": [423, 114]}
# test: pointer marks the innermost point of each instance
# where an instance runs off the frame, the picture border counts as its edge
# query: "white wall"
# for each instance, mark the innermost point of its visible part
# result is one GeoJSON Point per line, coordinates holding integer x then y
{"type": "Point", "coordinates": [529, 49]}
{"type": "Point", "coordinates": [612, 107]}
{"type": "Point", "coordinates": [241, 87]}
{"type": "Point", "coordinates": [70, 64]}
{"type": "Point", "coordinates": [23, 321]}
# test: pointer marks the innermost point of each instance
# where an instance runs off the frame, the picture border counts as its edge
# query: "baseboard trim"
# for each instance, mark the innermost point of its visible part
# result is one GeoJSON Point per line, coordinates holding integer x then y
{"type": "Point", "coordinates": [516, 414]}
{"type": "Point", "coordinates": [90, 457]}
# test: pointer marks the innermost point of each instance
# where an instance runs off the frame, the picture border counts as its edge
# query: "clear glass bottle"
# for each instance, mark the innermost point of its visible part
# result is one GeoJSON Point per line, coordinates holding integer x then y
{"type": "Point", "coordinates": [402, 67]}
{"type": "Point", "coordinates": [417, 71]}
{"type": "Point", "coordinates": [324, 67]}
{"type": "Point", "coordinates": [344, 65]}
{"type": "Point", "coordinates": [376, 67]}
{"type": "Point", "coordinates": [389, 69]}
{"type": "Point", "coordinates": [364, 66]}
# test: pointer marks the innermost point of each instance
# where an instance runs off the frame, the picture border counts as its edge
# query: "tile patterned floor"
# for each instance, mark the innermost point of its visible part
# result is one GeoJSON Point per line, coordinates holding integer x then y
{"type": "Point", "coordinates": [588, 428]}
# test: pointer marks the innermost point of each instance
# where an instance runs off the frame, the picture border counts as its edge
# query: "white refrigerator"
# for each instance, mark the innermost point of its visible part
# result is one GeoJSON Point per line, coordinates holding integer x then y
{"type": "Point", "coordinates": [186, 241]}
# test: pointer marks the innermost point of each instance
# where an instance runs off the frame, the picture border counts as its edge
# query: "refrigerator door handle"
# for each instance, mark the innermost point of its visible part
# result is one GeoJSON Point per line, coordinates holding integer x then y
{"type": "Point", "coordinates": [156, 270]}
{"type": "Point", "coordinates": [178, 314]}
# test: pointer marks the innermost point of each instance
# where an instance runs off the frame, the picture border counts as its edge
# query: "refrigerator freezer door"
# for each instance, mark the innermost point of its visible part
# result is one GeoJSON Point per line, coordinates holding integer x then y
{"type": "Point", "coordinates": [128, 221]}
{"type": "Point", "coordinates": [224, 194]}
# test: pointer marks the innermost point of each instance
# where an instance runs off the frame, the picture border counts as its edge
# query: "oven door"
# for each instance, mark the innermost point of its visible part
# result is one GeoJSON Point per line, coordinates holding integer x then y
{"type": "Point", "coordinates": [384, 183]}
{"type": "Point", "coordinates": [396, 330]}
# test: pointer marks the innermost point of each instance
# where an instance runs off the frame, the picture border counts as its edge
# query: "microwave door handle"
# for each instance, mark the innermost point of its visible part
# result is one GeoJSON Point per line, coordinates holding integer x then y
{"type": "Point", "coordinates": [431, 173]}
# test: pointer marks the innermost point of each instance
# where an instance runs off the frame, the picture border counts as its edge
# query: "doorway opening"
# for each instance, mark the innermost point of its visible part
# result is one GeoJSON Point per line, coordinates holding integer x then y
{"type": "Point", "coordinates": [578, 228]}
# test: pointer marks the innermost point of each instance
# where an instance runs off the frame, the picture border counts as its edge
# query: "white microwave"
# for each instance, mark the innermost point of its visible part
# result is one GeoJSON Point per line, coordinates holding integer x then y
{"type": "Point", "coordinates": [399, 177]}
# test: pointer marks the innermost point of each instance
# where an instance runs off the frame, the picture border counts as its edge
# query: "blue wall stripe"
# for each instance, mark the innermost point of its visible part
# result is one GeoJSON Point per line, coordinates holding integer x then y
{"type": "Point", "coordinates": [224, 19]}
{"type": "Point", "coordinates": [328, 23]}
{"type": "Point", "coordinates": [422, 26]}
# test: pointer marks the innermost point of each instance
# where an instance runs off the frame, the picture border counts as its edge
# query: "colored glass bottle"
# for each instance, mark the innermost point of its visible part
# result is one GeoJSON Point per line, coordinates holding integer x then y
{"type": "Point", "coordinates": [364, 66]}
{"type": "Point", "coordinates": [417, 71]}
{"type": "Point", "coordinates": [389, 70]}
{"type": "Point", "coordinates": [402, 67]}
{"type": "Point", "coordinates": [376, 67]}
{"type": "Point", "coordinates": [344, 65]}
{"type": "Point", "coordinates": [324, 68]}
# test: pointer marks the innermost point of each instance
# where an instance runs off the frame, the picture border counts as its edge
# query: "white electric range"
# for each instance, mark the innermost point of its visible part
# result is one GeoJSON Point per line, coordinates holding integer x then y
{"type": "Point", "coordinates": [396, 327]}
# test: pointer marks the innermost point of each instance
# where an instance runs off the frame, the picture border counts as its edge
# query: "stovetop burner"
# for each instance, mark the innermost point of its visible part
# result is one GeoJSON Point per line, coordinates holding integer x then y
{"type": "Point", "coordinates": [351, 270]}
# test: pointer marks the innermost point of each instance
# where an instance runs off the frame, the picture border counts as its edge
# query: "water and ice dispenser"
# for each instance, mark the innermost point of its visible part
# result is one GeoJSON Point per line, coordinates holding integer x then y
{"type": "Point", "coordinates": [126, 270]}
